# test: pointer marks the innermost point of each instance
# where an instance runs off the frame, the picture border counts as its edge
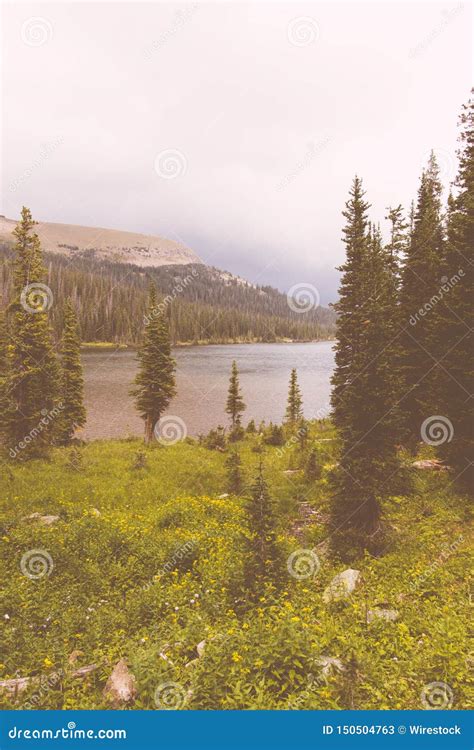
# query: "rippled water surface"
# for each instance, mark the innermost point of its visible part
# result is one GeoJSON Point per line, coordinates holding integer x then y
{"type": "Point", "coordinates": [202, 382]}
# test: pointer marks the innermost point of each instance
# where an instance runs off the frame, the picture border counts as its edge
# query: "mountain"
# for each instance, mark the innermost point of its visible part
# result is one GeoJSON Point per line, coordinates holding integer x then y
{"type": "Point", "coordinates": [107, 274]}
{"type": "Point", "coordinates": [143, 250]}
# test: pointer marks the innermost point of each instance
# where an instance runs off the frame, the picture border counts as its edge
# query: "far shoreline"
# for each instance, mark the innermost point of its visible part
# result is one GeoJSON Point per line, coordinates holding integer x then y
{"type": "Point", "coordinates": [93, 346]}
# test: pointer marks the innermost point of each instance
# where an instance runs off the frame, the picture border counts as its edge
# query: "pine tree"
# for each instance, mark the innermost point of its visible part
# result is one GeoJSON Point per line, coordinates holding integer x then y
{"type": "Point", "coordinates": [235, 406]}
{"type": "Point", "coordinates": [455, 316]}
{"type": "Point", "coordinates": [421, 281]}
{"type": "Point", "coordinates": [154, 384]}
{"type": "Point", "coordinates": [73, 413]}
{"type": "Point", "coordinates": [234, 473]}
{"type": "Point", "coordinates": [397, 246]}
{"type": "Point", "coordinates": [353, 296]}
{"type": "Point", "coordinates": [294, 411]}
{"type": "Point", "coordinates": [368, 466]}
{"type": "Point", "coordinates": [313, 468]}
{"type": "Point", "coordinates": [263, 560]}
{"type": "Point", "coordinates": [32, 383]}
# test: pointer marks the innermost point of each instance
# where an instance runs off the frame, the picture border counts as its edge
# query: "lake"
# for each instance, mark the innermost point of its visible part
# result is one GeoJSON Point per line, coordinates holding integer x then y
{"type": "Point", "coordinates": [202, 382]}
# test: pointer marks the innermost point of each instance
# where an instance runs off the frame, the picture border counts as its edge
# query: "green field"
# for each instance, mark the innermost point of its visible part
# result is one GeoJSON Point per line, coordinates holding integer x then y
{"type": "Point", "coordinates": [144, 562]}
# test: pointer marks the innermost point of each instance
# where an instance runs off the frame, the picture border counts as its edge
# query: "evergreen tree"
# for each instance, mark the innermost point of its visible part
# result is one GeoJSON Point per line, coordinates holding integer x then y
{"type": "Point", "coordinates": [32, 383]}
{"type": "Point", "coordinates": [263, 560]}
{"type": "Point", "coordinates": [294, 411]}
{"type": "Point", "coordinates": [73, 413]}
{"type": "Point", "coordinates": [455, 315]}
{"type": "Point", "coordinates": [235, 406]}
{"type": "Point", "coordinates": [421, 281]}
{"type": "Point", "coordinates": [397, 246]}
{"type": "Point", "coordinates": [154, 384]}
{"type": "Point", "coordinates": [313, 467]}
{"type": "Point", "coordinates": [353, 296]}
{"type": "Point", "coordinates": [234, 473]}
{"type": "Point", "coordinates": [368, 417]}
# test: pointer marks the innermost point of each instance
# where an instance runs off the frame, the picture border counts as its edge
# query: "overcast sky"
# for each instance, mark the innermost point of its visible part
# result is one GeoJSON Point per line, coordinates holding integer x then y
{"type": "Point", "coordinates": [235, 128]}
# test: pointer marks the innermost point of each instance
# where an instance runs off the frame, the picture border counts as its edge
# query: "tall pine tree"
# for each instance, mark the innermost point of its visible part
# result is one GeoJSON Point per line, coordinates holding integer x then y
{"type": "Point", "coordinates": [353, 296]}
{"type": "Point", "coordinates": [154, 384]}
{"type": "Point", "coordinates": [73, 413]}
{"type": "Point", "coordinates": [367, 414]}
{"type": "Point", "coordinates": [32, 383]}
{"type": "Point", "coordinates": [235, 406]}
{"type": "Point", "coordinates": [294, 410]}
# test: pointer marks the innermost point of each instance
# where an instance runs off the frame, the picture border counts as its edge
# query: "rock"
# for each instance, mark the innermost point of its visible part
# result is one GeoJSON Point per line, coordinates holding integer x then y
{"type": "Point", "coordinates": [291, 471]}
{"type": "Point", "coordinates": [15, 685]}
{"type": "Point", "coordinates": [383, 614]}
{"type": "Point", "coordinates": [95, 512]}
{"type": "Point", "coordinates": [200, 648]}
{"type": "Point", "coordinates": [433, 464]}
{"type": "Point", "coordinates": [221, 497]}
{"type": "Point", "coordinates": [341, 586]}
{"type": "Point", "coordinates": [121, 685]}
{"type": "Point", "coordinates": [329, 665]}
{"type": "Point", "coordinates": [45, 520]}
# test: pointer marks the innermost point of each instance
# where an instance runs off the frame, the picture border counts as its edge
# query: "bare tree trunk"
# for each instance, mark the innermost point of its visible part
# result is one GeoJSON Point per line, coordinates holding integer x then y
{"type": "Point", "coordinates": [148, 430]}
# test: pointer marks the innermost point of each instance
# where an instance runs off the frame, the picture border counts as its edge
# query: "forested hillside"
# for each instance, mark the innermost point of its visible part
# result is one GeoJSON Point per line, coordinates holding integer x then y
{"type": "Point", "coordinates": [203, 303]}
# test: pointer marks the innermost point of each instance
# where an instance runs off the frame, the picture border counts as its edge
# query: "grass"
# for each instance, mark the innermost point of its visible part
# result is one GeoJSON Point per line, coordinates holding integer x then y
{"type": "Point", "coordinates": [145, 563]}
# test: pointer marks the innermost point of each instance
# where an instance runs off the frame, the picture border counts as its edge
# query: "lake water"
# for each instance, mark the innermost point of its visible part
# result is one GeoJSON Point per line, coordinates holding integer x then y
{"type": "Point", "coordinates": [202, 382]}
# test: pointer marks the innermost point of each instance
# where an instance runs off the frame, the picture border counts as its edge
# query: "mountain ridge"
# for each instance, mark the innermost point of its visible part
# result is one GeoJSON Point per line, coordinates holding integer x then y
{"type": "Point", "coordinates": [135, 248]}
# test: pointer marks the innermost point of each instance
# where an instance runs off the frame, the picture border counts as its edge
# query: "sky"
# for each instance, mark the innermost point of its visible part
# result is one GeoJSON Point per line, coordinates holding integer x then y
{"type": "Point", "coordinates": [235, 128]}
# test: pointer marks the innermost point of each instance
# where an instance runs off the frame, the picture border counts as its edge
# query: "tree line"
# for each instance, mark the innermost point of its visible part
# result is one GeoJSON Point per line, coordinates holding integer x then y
{"type": "Point", "coordinates": [202, 303]}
